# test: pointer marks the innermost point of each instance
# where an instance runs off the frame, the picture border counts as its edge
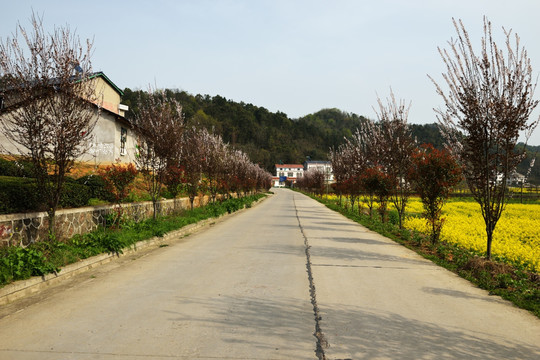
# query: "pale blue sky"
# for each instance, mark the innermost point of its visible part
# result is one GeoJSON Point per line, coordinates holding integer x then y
{"type": "Point", "coordinates": [294, 56]}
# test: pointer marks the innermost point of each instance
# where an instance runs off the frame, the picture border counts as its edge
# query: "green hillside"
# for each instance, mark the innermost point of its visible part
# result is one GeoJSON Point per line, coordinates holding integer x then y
{"type": "Point", "coordinates": [272, 137]}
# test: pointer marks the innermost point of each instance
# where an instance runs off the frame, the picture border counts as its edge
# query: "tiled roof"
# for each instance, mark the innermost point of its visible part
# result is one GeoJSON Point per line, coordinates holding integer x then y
{"type": "Point", "coordinates": [290, 166]}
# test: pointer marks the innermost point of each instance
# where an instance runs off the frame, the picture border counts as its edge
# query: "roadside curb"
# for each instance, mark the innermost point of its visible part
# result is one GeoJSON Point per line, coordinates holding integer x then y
{"type": "Point", "coordinates": [23, 288]}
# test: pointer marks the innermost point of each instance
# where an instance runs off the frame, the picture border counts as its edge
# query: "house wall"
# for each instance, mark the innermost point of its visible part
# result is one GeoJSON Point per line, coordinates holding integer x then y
{"type": "Point", "coordinates": [105, 147]}
{"type": "Point", "coordinates": [292, 172]}
{"type": "Point", "coordinates": [7, 147]}
{"type": "Point", "coordinates": [325, 167]}
{"type": "Point", "coordinates": [110, 98]}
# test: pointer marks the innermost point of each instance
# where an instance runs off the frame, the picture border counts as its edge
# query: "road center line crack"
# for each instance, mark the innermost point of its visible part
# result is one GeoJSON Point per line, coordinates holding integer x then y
{"type": "Point", "coordinates": [321, 343]}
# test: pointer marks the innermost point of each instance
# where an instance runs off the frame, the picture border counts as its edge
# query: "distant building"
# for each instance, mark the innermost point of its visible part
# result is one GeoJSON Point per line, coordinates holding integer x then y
{"type": "Point", "coordinates": [514, 178]}
{"type": "Point", "coordinates": [324, 166]}
{"type": "Point", "coordinates": [113, 137]}
{"type": "Point", "coordinates": [287, 172]}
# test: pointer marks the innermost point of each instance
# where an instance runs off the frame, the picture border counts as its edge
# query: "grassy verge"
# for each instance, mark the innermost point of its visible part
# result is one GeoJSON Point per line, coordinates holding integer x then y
{"type": "Point", "coordinates": [41, 258]}
{"type": "Point", "coordinates": [509, 281]}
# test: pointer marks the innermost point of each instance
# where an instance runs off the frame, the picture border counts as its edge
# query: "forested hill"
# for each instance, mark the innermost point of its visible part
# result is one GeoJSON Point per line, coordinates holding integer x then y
{"type": "Point", "coordinates": [269, 138]}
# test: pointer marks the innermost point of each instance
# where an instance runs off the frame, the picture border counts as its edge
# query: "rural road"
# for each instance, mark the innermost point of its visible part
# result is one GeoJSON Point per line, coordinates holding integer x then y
{"type": "Point", "coordinates": [242, 288]}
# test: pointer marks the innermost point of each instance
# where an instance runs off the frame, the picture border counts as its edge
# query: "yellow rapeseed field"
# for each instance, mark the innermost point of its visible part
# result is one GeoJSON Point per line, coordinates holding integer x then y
{"type": "Point", "coordinates": [516, 237]}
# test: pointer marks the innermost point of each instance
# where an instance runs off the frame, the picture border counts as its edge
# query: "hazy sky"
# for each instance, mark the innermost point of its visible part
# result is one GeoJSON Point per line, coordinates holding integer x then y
{"type": "Point", "coordinates": [294, 56]}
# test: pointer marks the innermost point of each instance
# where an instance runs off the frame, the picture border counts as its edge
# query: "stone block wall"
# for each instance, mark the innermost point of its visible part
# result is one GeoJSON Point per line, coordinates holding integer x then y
{"type": "Point", "coordinates": [26, 228]}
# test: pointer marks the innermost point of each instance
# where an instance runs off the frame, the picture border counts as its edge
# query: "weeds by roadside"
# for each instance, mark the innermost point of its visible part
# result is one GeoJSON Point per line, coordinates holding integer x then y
{"type": "Point", "coordinates": [46, 257]}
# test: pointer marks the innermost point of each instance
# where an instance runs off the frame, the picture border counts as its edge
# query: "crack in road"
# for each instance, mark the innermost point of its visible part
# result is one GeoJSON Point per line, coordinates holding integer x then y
{"type": "Point", "coordinates": [321, 343]}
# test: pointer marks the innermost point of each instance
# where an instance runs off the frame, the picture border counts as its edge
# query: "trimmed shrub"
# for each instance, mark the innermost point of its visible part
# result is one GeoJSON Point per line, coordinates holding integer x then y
{"type": "Point", "coordinates": [18, 195]}
{"type": "Point", "coordinates": [20, 168]}
{"type": "Point", "coordinates": [74, 195]}
{"type": "Point", "coordinates": [97, 187]}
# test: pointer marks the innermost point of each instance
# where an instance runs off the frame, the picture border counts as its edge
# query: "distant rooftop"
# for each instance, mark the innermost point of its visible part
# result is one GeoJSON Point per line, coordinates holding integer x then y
{"type": "Point", "coordinates": [317, 162]}
{"type": "Point", "coordinates": [292, 166]}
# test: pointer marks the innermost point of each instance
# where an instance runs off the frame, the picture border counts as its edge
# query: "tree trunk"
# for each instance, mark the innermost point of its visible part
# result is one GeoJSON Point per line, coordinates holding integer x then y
{"type": "Point", "coordinates": [155, 206]}
{"type": "Point", "coordinates": [489, 233]}
{"type": "Point", "coordinates": [51, 213]}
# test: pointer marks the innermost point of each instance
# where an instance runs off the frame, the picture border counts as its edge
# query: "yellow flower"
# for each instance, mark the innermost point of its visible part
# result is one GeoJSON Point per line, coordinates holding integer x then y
{"type": "Point", "coordinates": [516, 237]}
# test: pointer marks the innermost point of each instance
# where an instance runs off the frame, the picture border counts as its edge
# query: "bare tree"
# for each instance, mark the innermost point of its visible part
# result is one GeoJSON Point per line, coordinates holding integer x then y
{"type": "Point", "coordinates": [159, 125]}
{"type": "Point", "coordinates": [396, 150]}
{"type": "Point", "coordinates": [49, 104]}
{"type": "Point", "coordinates": [488, 104]}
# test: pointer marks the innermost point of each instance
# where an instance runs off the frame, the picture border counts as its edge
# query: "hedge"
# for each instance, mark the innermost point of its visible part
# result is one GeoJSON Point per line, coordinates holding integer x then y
{"type": "Point", "coordinates": [20, 195]}
{"type": "Point", "coordinates": [21, 168]}
{"type": "Point", "coordinates": [97, 187]}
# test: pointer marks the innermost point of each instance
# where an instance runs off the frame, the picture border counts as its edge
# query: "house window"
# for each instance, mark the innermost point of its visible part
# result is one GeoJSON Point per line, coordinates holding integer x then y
{"type": "Point", "coordinates": [290, 174]}
{"type": "Point", "coordinates": [123, 140]}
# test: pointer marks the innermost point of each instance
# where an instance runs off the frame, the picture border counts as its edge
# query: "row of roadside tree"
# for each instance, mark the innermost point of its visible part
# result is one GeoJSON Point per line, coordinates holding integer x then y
{"type": "Point", "coordinates": [488, 101]}
{"type": "Point", "coordinates": [48, 110]}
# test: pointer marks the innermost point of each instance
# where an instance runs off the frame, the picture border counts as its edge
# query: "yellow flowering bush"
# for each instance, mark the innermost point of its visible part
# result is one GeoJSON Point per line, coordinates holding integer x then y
{"type": "Point", "coordinates": [516, 237]}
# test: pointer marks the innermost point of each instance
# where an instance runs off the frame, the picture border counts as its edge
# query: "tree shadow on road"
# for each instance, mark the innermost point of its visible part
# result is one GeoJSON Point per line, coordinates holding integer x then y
{"type": "Point", "coordinates": [463, 295]}
{"type": "Point", "coordinates": [362, 334]}
{"type": "Point", "coordinates": [282, 326]}
{"type": "Point", "coordinates": [352, 332]}
{"type": "Point", "coordinates": [341, 253]}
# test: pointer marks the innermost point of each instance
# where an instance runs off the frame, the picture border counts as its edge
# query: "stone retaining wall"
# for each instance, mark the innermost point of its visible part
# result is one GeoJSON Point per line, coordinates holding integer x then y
{"type": "Point", "coordinates": [25, 228]}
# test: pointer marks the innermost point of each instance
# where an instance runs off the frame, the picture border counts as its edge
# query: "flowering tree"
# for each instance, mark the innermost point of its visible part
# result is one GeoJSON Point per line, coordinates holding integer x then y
{"type": "Point", "coordinates": [313, 181]}
{"type": "Point", "coordinates": [159, 125]}
{"type": "Point", "coordinates": [339, 168]}
{"type": "Point", "coordinates": [363, 153]}
{"type": "Point", "coordinates": [49, 107]}
{"type": "Point", "coordinates": [193, 160]}
{"type": "Point", "coordinates": [396, 148]}
{"type": "Point", "coordinates": [488, 104]}
{"type": "Point", "coordinates": [434, 173]}
{"type": "Point", "coordinates": [214, 166]}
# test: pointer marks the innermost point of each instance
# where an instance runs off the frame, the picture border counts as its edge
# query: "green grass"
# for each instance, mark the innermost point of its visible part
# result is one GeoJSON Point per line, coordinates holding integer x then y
{"type": "Point", "coordinates": [45, 257]}
{"type": "Point", "coordinates": [507, 280]}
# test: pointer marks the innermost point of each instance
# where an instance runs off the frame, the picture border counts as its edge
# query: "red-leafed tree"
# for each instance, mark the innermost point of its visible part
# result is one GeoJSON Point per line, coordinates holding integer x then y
{"type": "Point", "coordinates": [174, 178]}
{"type": "Point", "coordinates": [434, 174]}
{"type": "Point", "coordinates": [378, 186]}
{"type": "Point", "coordinates": [119, 180]}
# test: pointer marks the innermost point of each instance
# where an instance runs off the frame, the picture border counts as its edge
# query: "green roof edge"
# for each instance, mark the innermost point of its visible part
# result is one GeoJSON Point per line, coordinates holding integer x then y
{"type": "Point", "coordinates": [100, 73]}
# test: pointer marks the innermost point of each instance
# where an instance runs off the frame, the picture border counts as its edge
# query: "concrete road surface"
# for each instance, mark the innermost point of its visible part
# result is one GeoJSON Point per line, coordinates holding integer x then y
{"type": "Point", "coordinates": [288, 279]}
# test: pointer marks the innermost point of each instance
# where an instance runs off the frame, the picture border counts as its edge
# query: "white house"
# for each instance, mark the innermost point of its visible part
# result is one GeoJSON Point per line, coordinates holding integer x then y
{"type": "Point", "coordinates": [514, 178]}
{"type": "Point", "coordinates": [324, 166]}
{"type": "Point", "coordinates": [287, 172]}
{"type": "Point", "coordinates": [113, 138]}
